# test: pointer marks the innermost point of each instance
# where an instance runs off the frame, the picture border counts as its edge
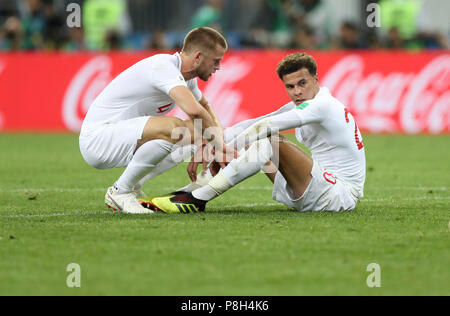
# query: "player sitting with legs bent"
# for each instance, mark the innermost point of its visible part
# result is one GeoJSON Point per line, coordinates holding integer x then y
{"type": "Point", "coordinates": [331, 180]}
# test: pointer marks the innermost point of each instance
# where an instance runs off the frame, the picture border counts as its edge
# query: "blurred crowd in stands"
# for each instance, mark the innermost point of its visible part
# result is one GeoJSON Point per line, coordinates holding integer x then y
{"type": "Point", "coordinates": [162, 24]}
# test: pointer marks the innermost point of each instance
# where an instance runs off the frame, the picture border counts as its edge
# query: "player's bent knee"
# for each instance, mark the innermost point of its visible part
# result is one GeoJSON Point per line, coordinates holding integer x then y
{"type": "Point", "coordinates": [170, 129]}
{"type": "Point", "coordinates": [265, 150]}
{"type": "Point", "coordinates": [261, 151]}
{"type": "Point", "coordinates": [182, 132]}
{"type": "Point", "coordinates": [175, 130]}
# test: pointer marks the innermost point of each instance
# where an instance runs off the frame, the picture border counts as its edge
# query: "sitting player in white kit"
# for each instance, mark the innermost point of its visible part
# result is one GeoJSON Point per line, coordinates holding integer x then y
{"type": "Point", "coordinates": [124, 126]}
{"type": "Point", "coordinates": [331, 180]}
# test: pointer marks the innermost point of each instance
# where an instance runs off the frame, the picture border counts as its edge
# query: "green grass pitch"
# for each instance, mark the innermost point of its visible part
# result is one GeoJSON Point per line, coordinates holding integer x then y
{"type": "Point", "coordinates": [52, 214]}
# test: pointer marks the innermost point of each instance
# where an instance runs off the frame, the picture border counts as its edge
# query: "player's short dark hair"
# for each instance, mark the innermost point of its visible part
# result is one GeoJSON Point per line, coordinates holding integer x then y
{"type": "Point", "coordinates": [295, 62]}
{"type": "Point", "coordinates": [204, 38]}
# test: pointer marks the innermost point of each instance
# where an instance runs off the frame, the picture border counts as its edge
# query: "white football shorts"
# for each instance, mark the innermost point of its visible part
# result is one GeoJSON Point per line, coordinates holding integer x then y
{"type": "Point", "coordinates": [325, 192]}
{"type": "Point", "coordinates": [112, 145]}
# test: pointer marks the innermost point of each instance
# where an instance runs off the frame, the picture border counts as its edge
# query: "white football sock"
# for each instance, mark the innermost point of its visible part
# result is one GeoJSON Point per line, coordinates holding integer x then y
{"type": "Point", "coordinates": [144, 161]}
{"type": "Point", "coordinates": [177, 156]}
{"type": "Point", "coordinates": [248, 164]}
{"type": "Point", "coordinates": [202, 180]}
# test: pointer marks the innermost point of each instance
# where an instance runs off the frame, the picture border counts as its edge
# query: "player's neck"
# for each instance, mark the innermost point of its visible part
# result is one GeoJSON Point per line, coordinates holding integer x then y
{"type": "Point", "coordinates": [187, 67]}
{"type": "Point", "coordinates": [317, 90]}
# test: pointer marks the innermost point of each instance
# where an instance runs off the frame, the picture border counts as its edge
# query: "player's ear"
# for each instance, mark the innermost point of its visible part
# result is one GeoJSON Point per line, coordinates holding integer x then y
{"type": "Point", "coordinates": [198, 58]}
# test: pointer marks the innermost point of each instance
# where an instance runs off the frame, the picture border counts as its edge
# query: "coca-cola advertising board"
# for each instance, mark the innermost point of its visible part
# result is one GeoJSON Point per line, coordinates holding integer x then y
{"type": "Point", "coordinates": [387, 92]}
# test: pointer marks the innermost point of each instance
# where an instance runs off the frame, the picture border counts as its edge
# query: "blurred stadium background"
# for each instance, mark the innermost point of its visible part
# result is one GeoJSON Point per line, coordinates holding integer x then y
{"type": "Point", "coordinates": [162, 24]}
{"type": "Point", "coordinates": [394, 78]}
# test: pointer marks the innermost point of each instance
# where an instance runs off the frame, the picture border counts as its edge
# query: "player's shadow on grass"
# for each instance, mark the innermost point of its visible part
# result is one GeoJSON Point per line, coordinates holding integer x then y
{"type": "Point", "coordinates": [278, 210]}
{"type": "Point", "coordinates": [262, 211]}
{"type": "Point", "coordinates": [254, 212]}
{"type": "Point", "coordinates": [249, 212]}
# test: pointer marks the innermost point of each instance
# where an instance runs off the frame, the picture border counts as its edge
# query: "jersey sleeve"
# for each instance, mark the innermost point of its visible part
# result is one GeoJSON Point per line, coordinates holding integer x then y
{"type": "Point", "coordinates": [165, 77]}
{"type": "Point", "coordinates": [193, 86]}
{"type": "Point", "coordinates": [231, 132]}
{"type": "Point", "coordinates": [313, 111]}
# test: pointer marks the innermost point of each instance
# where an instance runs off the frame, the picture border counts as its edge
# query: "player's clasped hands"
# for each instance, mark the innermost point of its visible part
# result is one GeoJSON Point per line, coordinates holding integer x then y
{"type": "Point", "coordinates": [208, 156]}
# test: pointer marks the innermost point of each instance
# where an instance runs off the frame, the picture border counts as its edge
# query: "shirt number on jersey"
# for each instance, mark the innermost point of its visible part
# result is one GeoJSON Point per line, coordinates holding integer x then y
{"type": "Point", "coordinates": [358, 142]}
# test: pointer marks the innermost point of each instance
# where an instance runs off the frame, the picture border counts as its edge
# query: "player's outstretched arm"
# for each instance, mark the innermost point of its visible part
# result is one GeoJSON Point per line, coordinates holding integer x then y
{"type": "Point", "coordinates": [233, 131]}
{"type": "Point", "coordinates": [266, 127]}
{"type": "Point", "coordinates": [273, 124]}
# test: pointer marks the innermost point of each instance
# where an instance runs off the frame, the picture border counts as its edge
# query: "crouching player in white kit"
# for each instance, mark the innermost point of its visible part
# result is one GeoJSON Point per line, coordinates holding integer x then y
{"type": "Point", "coordinates": [124, 126]}
{"type": "Point", "coordinates": [331, 180]}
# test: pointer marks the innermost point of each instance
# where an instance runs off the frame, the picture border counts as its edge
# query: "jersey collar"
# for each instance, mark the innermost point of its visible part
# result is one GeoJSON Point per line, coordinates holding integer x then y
{"type": "Point", "coordinates": [322, 91]}
{"type": "Point", "coordinates": [177, 55]}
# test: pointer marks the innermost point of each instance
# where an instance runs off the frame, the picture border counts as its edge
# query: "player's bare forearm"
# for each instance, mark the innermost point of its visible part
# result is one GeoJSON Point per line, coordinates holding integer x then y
{"type": "Point", "coordinates": [215, 134]}
{"type": "Point", "coordinates": [213, 114]}
{"type": "Point", "coordinates": [187, 102]}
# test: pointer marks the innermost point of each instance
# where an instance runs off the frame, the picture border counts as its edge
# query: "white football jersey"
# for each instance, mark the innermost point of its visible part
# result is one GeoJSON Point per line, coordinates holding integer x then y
{"type": "Point", "coordinates": [141, 90]}
{"type": "Point", "coordinates": [331, 134]}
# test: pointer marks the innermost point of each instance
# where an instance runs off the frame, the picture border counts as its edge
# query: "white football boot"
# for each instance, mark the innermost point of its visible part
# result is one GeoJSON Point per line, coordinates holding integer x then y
{"type": "Point", "coordinates": [139, 194]}
{"type": "Point", "coordinates": [125, 203]}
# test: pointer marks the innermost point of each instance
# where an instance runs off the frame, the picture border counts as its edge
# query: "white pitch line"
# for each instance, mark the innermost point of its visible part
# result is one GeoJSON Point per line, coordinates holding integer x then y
{"type": "Point", "coordinates": [408, 188]}
{"type": "Point", "coordinates": [76, 190]}
{"type": "Point", "coordinates": [110, 212]}
{"type": "Point", "coordinates": [57, 190]}
{"type": "Point", "coordinates": [393, 199]}
{"type": "Point", "coordinates": [80, 213]}
{"type": "Point", "coordinates": [239, 188]}
{"type": "Point", "coordinates": [56, 214]}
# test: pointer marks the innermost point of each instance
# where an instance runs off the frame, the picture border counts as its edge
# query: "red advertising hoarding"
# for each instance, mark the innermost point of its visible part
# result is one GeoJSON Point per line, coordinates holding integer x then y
{"type": "Point", "coordinates": [389, 92]}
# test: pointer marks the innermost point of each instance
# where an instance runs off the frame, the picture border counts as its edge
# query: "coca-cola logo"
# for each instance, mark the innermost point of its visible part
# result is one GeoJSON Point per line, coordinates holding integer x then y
{"type": "Point", "coordinates": [396, 102]}
{"type": "Point", "coordinates": [87, 84]}
{"type": "Point", "coordinates": [427, 105]}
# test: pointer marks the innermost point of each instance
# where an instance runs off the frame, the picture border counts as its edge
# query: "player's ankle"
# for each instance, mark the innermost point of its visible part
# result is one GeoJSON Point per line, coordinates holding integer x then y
{"type": "Point", "coordinates": [201, 204]}
{"type": "Point", "coordinates": [205, 193]}
{"type": "Point", "coordinates": [122, 190]}
{"type": "Point", "coordinates": [196, 199]}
